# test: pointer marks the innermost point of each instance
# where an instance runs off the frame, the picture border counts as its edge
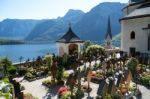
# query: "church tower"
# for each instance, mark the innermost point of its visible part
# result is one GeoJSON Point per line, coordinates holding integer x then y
{"type": "Point", "coordinates": [108, 36]}
{"type": "Point", "coordinates": [135, 28]}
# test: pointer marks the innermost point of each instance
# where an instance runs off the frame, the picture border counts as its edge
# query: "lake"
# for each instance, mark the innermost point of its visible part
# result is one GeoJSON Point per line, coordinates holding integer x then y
{"type": "Point", "coordinates": [13, 52]}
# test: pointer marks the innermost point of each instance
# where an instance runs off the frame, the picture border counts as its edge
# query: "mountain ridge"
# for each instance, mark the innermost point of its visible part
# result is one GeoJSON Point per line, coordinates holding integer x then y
{"type": "Point", "coordinates": [88, 26]}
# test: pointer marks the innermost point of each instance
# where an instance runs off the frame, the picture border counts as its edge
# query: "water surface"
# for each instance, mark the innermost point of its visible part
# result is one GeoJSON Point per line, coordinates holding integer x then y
{"type": "Point", "coordinates": [30, 51]}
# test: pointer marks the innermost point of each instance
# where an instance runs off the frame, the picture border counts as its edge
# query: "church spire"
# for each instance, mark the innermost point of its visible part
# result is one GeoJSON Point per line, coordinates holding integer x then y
{"type": "Point", "coordinates": [108, 36]}
{"type": "Point", "coordinates": [108, 33]}
{"type": "Point", "coordinates": [69, 25]}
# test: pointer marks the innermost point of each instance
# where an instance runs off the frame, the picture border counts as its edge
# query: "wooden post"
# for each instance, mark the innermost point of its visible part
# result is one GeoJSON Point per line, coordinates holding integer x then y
{"type": "Point", "coordinates": [89, 79]}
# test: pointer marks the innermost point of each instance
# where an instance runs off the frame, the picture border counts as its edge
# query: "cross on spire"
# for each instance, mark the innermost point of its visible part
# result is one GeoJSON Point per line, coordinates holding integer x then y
{"type": "Point", "coordinates": [69, 24]}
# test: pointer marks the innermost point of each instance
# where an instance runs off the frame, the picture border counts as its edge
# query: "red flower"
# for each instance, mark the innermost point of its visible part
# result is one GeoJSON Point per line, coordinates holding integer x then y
{"type": "Point", "coordinates": [62, 89]}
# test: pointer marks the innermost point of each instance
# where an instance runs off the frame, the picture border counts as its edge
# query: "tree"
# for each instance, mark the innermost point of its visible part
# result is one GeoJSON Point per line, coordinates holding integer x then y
{"type": "Point", "coordinates": [132, 64]}
{"type": "Point", "coordinates": [49, 60]}
{"type": "Point", "coordinates": [94, 51]}
{"type": "Point", "coordinates": [12, 70]}
{"type": "Point", "coordinates": [54, 70]}
{"type": "Point", "coordinates": [65, 61]}
{"type": "Point", "coordinates": [59, 75]}
{"type": "Point", "coordinates": [38, 61]}
{"type": "Point", "coordinates": [71, 81]}
{"type": "Point", "coordinates": [5, 62]}
{"type": "Point", "coordinates": [86, 44]}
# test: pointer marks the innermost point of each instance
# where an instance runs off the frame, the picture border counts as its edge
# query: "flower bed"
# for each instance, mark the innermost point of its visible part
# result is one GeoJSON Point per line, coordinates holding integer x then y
{"type": "Point", "coordinates": [96, 77]}
{"type": "Point", "coordinates": [49, 83]}
{"type": "Point", "coordinates": [6, 89]}
{"type": "Point", "coordinates": [64, 93]}
{"type": "Point", "coordinates": [30, 77]}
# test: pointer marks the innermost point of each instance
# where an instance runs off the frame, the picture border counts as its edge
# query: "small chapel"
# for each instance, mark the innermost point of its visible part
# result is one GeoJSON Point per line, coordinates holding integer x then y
{"type": "Point", "coordinates": [69, 43]}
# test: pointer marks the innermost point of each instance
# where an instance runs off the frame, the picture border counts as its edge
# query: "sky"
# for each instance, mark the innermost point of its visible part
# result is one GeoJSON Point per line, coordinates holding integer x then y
{"type": "Point", "coordinates": [45, 9]}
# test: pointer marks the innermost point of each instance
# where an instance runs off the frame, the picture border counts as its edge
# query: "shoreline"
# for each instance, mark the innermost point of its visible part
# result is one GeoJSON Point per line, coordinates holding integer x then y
{"type": "Point", "coordinates": [27, 51]}
{"type": "Point", "coordinates": [21, 43]}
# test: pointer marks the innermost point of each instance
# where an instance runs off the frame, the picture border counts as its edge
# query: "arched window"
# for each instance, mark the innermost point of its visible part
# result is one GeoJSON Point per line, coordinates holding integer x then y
{"type": "Point", "coordinates": [132, 36]}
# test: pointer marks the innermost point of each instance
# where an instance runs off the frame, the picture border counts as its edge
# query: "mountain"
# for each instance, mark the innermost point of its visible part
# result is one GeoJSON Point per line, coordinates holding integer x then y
{"type": "Point", "coordinates": [89, 26]}
{"type": "Point", "coordinates": [116, 40]}
{"type": "Point", "coordinates": [52, 29]}
{"type": "Point", "coordinates": [16, 28]}
{"type": "Point", "coordinates": [40, 28]}
{"type": "Point", "coordinates": [94, 23]}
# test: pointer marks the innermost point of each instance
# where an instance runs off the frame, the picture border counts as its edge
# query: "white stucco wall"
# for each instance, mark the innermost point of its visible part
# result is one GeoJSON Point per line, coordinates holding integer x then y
{"type": "Point", "coordinates": [141, 36]}
{"type": "Point", "coordinates": [65, 47]}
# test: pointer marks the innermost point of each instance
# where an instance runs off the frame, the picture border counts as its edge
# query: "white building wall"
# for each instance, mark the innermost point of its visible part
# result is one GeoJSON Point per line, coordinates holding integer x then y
{"type": "Point", "coordinates": [141, 36]}
{"type": "Point", "coordinates": [65, 47]}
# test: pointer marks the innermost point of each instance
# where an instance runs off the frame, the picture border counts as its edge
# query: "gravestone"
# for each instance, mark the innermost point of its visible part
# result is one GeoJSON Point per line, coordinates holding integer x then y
{"type": "Point", "coordinates": [102, 88]}
{"type": "Point", "coordinates": [119, 79]}
{"type": "Point", "coordinates": [110, 85]}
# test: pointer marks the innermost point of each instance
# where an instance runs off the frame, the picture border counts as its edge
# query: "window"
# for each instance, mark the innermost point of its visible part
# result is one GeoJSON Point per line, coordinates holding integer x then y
{"type": "Point", "coordinates": [132, 36]}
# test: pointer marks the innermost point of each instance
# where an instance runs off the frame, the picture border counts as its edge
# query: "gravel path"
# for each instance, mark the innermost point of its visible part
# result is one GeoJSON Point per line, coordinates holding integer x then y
{"type": "Point", "coordinates": [145, 92]}
{"type": "Point", "coordinates": [36, 88]}
{"type": "Point", "coordinates": [41, 92]}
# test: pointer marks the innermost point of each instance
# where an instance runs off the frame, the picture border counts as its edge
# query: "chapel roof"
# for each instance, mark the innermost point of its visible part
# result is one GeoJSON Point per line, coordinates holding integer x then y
{"type": "Point", "coordinates": [69, 37]}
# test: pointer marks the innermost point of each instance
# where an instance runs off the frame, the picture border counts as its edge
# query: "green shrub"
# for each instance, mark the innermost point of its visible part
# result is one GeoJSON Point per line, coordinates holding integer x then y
{"type": "Point", "coordinates": [110, 72]}
{"type": "Point", "coordinates": [132, 65]}
{"type": "Point", "coordinates": [46, 70]}
{"type": "Point", "coordinates": [59, 74]}
{"type": "Point", "coordinates": [29, 75]}
{"type": "Point", "coordinates": [29, 96]}
{"type": "Point", "coordinates": [145, 80]}
{"type": "Point", "coordinates": [5, 95]}
{"type": "Point", "coordinates": [22, 87]}
{"type": "Point", "coordinates": [67, 95]}
{"type": "Point", "coordinates": [65, 75]}
{"type": "Point", "coordinates": [143, 67]}
{"type": "Point", "coordinates": [46, 82]}
{"type": "Point", "coordinates": [132, 88]}
{"type": "Point", "coordinates": [97, 66]}
{"type": "Point", "coordinates": [22, 71]}
{"type": "Point", "coordinates": [49, 82]}
{"type": "Point", "coordinates": [12, 70]}
{"type": "Point", "coordinates": [108, 96]}
{"type": "Point", "coordinates": [5, 79]}
{"type": "Point", "coordinates": [30, 70]}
